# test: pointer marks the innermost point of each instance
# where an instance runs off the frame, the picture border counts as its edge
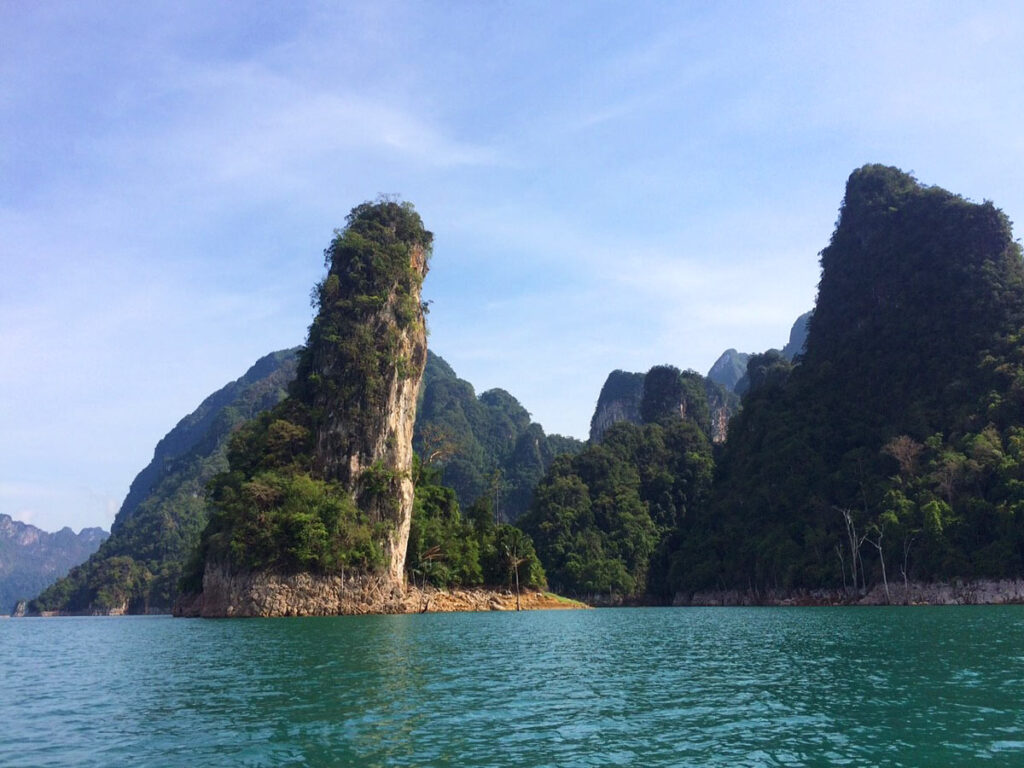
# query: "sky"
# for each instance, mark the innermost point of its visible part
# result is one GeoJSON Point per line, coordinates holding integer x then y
{"type": "Point", "coordinates": [610, 185]}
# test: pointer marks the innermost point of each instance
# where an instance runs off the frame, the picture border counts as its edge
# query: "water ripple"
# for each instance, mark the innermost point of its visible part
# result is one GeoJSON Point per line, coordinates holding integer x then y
{"type": "Point", "coordinates": [649, 687]}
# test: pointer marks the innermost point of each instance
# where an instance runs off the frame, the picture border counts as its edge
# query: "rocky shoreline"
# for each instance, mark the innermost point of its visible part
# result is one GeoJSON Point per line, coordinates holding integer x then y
{"type": "Point", "coordinates": [226, 594]}
{"type": "Point", "coordinates": [263, 595]}
{"type": "Point", "coordinates": [958, 592]}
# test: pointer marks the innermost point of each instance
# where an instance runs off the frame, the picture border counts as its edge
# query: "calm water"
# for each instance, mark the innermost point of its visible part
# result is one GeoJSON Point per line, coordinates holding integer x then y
{"type": "Point", "coordinates": [643, 687]}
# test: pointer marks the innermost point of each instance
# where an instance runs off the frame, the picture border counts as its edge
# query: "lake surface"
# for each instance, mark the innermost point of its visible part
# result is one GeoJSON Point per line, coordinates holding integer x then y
{"type": "Point", "coordinates": [939, 686]}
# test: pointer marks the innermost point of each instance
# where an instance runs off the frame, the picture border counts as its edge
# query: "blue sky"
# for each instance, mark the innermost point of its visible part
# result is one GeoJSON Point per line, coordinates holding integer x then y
{"type": "Point", "coordinates": [611, 185]}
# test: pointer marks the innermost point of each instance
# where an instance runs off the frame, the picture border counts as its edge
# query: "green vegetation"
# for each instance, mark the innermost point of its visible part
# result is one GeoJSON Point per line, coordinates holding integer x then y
{"type": "Point", "coordinates": [449, 550]}
{"type": "Point", "coordinates": [483, 446]}
{"type": "Point", "coordinates": [602, 520]}
{"type": "Point", "coordinates": [160, 522]}
{"type": "Point", "coordinates": [289, 500]}
{"type": "Point", "coordinates": [892, 450]}
{"type": "Point", "coordinates": [366, 305]}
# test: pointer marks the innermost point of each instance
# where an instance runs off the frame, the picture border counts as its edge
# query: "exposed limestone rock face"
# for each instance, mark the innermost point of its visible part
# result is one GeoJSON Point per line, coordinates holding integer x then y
{"type": "Point", "coordinates": [367, 445]}
{"type": "Point", "coordinates": [722, 406]}
{"type": "Point", "coordinates": [226, 594]}
{"type": "Point", "coordinates": [719, 423]}
{"type": "Point", "coordinates": [619, 401]}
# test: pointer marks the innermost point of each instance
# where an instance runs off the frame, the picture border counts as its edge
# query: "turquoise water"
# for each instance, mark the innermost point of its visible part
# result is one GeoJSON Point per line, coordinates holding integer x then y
{"type": "Point", "coordinates": [638, 687]}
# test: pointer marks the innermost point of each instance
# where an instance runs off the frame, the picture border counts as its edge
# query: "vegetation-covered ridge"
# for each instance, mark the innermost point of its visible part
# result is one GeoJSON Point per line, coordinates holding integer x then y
{"type": "Point", "coordinates": [891, 449]}
{"type": "Point", "coordinates": [886, 445]}
{"type": "Point", "coordinates": [483, 445]}
{"type": "Point", "coordinates": [603, 521]}
{"type": "Point", "coordinates": [448, 548]}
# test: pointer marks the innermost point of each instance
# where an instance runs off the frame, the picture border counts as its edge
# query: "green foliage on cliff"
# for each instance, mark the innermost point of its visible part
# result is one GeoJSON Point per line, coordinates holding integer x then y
{"type": "Point", "coordinates": [483, 446]}
{"type": "Point", "coordinates": [892, 447]}
{"type": "Point", "coordinates": [600, 519]}
{"type": "Point", "coordinates": [369, 298]}
{"type": "Point", "coordinates": [447, 549]}
{"type": "Point", "coordinates": [287, 501]}
{"type": "Point", "coordinates": [160, 522]}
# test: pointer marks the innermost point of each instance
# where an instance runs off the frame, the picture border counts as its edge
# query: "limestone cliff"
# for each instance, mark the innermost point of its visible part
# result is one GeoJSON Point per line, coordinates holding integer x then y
{"type": "Point", "coordinates": [729, 368]}
{"type": "Point", "coordinates": [619, 401]}
{"type": "Point", "coordinates": [704, 401]}
{"type": "Point", "coordinates": [366, 442]}
{"type": "Point", "coordinates": [320, 486]}
{"type": "Point", "coordinates": [303, 594]}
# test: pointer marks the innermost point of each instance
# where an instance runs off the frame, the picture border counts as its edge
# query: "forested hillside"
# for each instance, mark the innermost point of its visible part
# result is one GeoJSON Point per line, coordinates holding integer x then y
{"type": "Point", "coordinates": [601, 520]}
{"type": "Point", "coordinates": [483, 446]}
{"type": "Point", "coordinates": [894, 448]}
{"type": "Point", "coordinates": [891, 449]}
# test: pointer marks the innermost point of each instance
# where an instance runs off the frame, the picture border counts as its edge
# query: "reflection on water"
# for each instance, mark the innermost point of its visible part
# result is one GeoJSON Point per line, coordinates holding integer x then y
{"type": "Point", "coordinates": [707, 687]}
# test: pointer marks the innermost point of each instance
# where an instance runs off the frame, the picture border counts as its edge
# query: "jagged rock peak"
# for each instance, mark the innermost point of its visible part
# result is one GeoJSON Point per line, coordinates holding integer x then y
{"type": "Point", "coordinates": [323, 482]}
{"type": "Point", "coordinates": [619, 401]}
{"type": "Point", "coordinates": [797, 337]}
{"type": "Point", "coordinates": [729, 368]}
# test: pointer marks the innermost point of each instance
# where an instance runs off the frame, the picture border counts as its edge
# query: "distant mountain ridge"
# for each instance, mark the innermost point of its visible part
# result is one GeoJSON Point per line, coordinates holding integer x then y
{"type": "Point", "coordinates": [31, 559]}
{"type": "Point", "coordinates": [730, 368]}
{"type": "Point", "coordinates": [798, 336]}
{"type": "Point", "coordinates": [622, 392]}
